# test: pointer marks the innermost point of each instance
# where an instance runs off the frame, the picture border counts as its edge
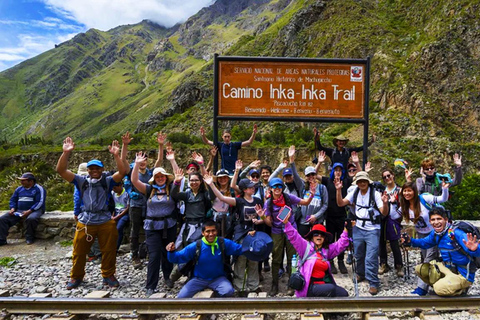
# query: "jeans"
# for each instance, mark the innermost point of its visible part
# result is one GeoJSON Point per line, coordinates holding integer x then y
{"type": "Point", "coordinates": [31, 222]}
{"type": "Point", "coordinates": [221, 286]}
{"type": "Point", "coordinates": [157, 254]}
{"type": "Point", "coordinates": [366, 243]}
{"type": "Point", "coordinates": [121, 223]}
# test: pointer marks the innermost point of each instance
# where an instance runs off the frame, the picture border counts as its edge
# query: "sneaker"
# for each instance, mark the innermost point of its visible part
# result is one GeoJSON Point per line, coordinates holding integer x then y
{"type": "Point", "coordinates": [383, 268]}
{"type": "Point", "coordinates": [400, 272]}
{"type": "Point", "coordinates": [333, 269]}
{"type": "Point", "coordinates": [349, 258]}
{"type": "Point", "coordinates": [92, 258]}
{"type": "Point", "coordinates": [419, 291]}
{"type": "Point", "coordinates": [342, 267]}
{"type": "Point", "coordinates": [111, 282]}
{"type": "Point", "coordinates": [73, 283]}
{"type": "Point", "coordinates": [373, 291]}
{"type": "Point", "coordinates": [137, 263]}
{"type": "Point", "coordinates": [266, 266]}
{"type": "Point", "coordinates": [169, 283]}
{"type": "Point", "coordinates": [29, 242]}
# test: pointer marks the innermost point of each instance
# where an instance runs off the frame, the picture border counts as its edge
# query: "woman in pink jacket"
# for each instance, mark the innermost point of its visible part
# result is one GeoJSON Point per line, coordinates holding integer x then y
{"type": "Point", "coordinates": [316, 268]}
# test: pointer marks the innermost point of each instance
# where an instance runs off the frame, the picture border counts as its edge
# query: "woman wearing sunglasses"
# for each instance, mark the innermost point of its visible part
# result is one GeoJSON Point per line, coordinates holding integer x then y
{"type": "Point", "coordinates": [269, 213]}
{"type": "Point", "coordinates": [431, 183]}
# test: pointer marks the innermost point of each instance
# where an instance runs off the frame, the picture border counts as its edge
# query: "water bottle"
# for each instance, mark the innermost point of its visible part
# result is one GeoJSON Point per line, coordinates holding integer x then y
{"type": "Point", "coordinates": [294, 263]}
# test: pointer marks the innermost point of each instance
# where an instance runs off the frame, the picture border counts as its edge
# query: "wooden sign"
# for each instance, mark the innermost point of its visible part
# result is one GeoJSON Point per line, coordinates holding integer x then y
{"type": "Point", "coordinates": [291, 88]}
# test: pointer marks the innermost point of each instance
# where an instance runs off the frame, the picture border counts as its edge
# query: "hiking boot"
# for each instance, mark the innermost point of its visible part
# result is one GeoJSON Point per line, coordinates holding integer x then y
{"type": "Point", "coordinates": [349, 258]}
{"type": "Point", "coordinates": [383, 268]}
{"type": "Point", "coordinates": [92, 258]}
{"type": "Point", "coordinates": [29, 241]}
{"type": "Point", "coordinates": [342, 267]}
{"type": "Point", "coordinates": [149, 292]}
{"type": "Point", "coordinates": [333, 269]}
{"type": "Point", "coordinates": [137, 263]}
{"type": "Point", "coordinates": [111, 281]}
{"type": "Point", "coordinates": [373, 291]}
{"type": "Point", "coordinates": [399, 271]}
{"type": "Point", "coordinates": [73, 283]}
{"type": "Point", "coordinates": [274, 291]}
{"type": "Point", "coordinates": [360, 278]}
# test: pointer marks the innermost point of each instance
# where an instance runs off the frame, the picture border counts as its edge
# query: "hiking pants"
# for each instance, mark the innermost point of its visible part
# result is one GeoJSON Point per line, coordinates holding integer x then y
{"type": "Point", "coordinates": [280, 241]}
{"type": "Point", "coordinates": [31, 222]}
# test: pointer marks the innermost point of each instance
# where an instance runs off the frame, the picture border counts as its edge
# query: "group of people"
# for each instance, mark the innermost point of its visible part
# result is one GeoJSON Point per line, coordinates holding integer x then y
{"type": "Point", "coordinates": [199, 224]}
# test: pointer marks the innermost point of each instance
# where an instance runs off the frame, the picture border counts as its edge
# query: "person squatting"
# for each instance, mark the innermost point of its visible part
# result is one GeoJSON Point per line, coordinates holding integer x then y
{"type": "Point", "coordinates": [220, 229]}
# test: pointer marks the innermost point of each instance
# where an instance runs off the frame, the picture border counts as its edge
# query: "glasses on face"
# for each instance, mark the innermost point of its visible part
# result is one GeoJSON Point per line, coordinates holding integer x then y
{"type": "Point", "coordinates": [388, 176]}
{"type": "Point", "coordinates": [352, 170]}
{"type": "Point", "coordinates": [255, 177]}
{"type": "Point", "coordinates": [310, 174]}
{"type": "Point", "coordinates": [317, 234]}
{"type": "Point", "coordinates": [430, 169]}
{"type": "Point", "coordinates": [194, 180]}
{"type": "Point", "coordinates": [277, 187]}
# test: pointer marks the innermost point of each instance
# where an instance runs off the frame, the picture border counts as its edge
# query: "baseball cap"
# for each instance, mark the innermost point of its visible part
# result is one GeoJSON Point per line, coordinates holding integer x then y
{"type": "Point", "coordinates": [95, 162]}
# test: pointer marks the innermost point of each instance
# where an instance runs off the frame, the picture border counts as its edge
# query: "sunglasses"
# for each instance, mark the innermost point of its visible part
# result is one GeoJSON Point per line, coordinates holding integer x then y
{"type": "Point", "coordinates": [317, 234]}
{"type": "Point", "coordinates": [430, 169]}
{"type": "Point", "coordinates": [388, 176]}
{"type": "Point", "coordinates": [255, 177]}
{"type": "Point", "coordinates": [352, 170]}
{"type": "Point", "coordinates": [277, 187]}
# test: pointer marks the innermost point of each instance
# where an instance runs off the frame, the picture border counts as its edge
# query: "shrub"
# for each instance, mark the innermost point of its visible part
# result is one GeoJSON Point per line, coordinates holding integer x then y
{"type": "Point", "coordinates": [464, 204]}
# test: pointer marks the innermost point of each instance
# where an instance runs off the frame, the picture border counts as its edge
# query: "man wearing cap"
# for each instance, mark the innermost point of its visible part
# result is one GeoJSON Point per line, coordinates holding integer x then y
{"type": "Point", "coordinates": [28, 201]}
{"type": "Point", "coordinates": [95, 219]}
{"type": "Point", "coordinates": [209, 270]}
{"type": "Point", "coordinates": [367, 208]}
{"type": "Point", "coordinates": [339, 153]}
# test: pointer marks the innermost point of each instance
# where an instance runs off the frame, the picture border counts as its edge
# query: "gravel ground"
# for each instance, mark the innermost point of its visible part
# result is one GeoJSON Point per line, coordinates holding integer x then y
{"type": "Point", "coordinates": [45, 266]}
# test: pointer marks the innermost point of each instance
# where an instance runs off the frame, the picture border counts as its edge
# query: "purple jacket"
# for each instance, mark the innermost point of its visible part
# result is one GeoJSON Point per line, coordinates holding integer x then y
{"type": "Point", "coordinates": [300, 245]}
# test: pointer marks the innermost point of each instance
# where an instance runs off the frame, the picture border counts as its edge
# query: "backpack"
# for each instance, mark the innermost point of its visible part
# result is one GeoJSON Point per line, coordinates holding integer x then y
{"type": "Point", "coordinates": [466, 227]}
{"type": "Point", "coordinates": [372, 204]}
{"type": "Point", "coordinates": [103, 182]}
{"type": "Point", "coordinates": [187, 268]}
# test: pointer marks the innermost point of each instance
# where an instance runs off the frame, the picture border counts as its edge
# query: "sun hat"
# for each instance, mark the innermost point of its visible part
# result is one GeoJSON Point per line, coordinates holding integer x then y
{"type": "Point", "coordinates": [82, 169]}
{"type": "Point", "coordinates": [257, 247]}
{"type": "Point", "coordinates": [361, 175]}
{"type": "Point", "coordinates": [162, 171]}
{"type": "Point", "coordinates": [320, 228]}
{"type": "Point", "coordinates": [340, 138]}
{"type": "Point", "coordinates": [276, 182]}
{"type": "Point", "coordinates": [95, 162]}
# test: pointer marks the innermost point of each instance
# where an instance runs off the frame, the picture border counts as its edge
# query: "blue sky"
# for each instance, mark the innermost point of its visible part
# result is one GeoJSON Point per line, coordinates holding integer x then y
{"type": "Point", "coordinates": [30, 27]}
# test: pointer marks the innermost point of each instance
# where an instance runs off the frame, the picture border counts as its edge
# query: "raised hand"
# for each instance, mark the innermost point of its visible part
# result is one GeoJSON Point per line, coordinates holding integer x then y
{"type": "Point", "coordinates": [161, 137]}
{"type": "Point", "coordinates": [385, 197]}
{"type": "Point", "coordinates": [445, 185]}
{"type": "Point", "coordinates": [315, 131]}
{"type": "Point", "coordinates": [355, 158]}
{"type": "Point", "coordinates": [255, 129]}
{"type": "Point", "coordinates": [338, 183]}
{"type": "Point", "coordinates": [408, 174]}
{"type": "Point", "coordinates": [368, 166]}
{"type": "Point", "coordinates": [291, 151]}
{"type": "Point", "coordinates": [238, 165]}
{"type": "Point", "coordinates": [457, 160]}
{"type": "Point", "coordinates": [68, 144]}
{"type": "Point", "coordinates": [197, 157]}
{"type": "Point", "coordinates": [126, 138]}
{"type": "Point", "coordinates": [170, 156]}
{"type": "Point", "coordinates": [140, 157]}
{"type": "Point", "coordinates": [321, 156]}
{"type": "Point", "coordinates": [168, 146]}
{"type": "Point", "coordinates": [213, 151]}
{"type": "Point", "coordinates": [208, 179]}
{"type": "Point", "coordinates": [202, 131]}
{"type": "Point", "coordinates": [178, 175]}
{"type": "Point", "coordinates": [114, 148]}
{"type": "Point", "coordinates": [393, 197]}
{"type": "Point", "coordinates": [472, 242]}
{"type": "Point", "coordinates": [259, 210]}
{"type": "Point", "coordinates": [255, 164]}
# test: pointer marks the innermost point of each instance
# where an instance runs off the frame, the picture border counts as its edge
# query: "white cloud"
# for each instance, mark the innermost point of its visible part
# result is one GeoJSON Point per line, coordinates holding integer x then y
{"type": "Point", "coordinates": [10, 57]}
{"type": "Point", "coordinates": [107, 14]}
{"type": "Point", "coordinates": [48, 23]}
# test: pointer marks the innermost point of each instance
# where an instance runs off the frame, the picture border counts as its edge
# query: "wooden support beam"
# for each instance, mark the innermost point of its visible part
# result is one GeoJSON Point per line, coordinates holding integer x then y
{"type": "Point", "coordinates": [98, 294]}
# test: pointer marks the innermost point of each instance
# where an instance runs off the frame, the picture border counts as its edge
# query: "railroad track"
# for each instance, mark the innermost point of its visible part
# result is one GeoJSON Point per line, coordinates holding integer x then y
{"type": "Point", "coordinates": [251, 308]}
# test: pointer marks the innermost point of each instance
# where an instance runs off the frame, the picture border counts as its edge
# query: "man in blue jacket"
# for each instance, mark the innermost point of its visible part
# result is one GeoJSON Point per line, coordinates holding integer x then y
{"type": "Point", "coordinates": [208, 271]}
{"type": "Point", "coordinates": [28, 201]}
{"type": "Point", "coordinates": [458, 249]}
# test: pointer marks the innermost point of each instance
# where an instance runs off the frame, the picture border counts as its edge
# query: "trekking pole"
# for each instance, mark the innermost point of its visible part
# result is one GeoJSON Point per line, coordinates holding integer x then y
{"type": "Point", "coordinates": [245, 277]}
{"type": "Point", "coordinates": [406, 262]}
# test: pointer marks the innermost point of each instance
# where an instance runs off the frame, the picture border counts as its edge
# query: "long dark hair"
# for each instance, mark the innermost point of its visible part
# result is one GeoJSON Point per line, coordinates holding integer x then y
{"type": "Point", "coordinates": [405, 204]}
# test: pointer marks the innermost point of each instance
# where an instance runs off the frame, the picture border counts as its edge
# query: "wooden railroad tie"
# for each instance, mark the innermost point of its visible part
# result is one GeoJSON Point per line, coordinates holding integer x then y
{"type": "Point", "coordinates": [4, 293]}
{"type": "Point", "coordinates": [311, 316]}
{"type": "Point", "coordinates": [98, 294]}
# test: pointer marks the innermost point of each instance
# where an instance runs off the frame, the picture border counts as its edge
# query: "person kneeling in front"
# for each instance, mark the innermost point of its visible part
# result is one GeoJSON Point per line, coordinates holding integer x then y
{"type": "Point", "coordinates": [208, 270]}
{"type": "Point", "coordinates": [458, 249]}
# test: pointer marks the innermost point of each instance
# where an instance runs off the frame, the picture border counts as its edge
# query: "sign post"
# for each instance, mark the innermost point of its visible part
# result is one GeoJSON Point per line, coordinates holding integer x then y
{"type": "Point", "coordinates": [291, 89]}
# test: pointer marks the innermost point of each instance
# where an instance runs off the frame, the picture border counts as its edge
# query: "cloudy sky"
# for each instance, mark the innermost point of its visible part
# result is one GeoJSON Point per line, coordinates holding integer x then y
{"type": "Point", "coordinates": [30, 27]}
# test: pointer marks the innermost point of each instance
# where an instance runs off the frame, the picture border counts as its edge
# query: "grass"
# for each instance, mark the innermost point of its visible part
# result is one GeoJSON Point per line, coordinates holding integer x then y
{"type": "Point", "coordinates": [7, 261]}
{"type": "Point", "coordinates": [66, 243]}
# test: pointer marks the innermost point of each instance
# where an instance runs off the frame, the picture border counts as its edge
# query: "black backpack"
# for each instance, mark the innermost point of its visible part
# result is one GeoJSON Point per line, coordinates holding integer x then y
{"type": "Point", "coordinates": [187, 268]}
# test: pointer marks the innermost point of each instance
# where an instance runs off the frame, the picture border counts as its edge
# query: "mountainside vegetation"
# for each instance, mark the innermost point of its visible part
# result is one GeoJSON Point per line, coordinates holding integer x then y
{"type": "Point", "coordinates": [145, 78]}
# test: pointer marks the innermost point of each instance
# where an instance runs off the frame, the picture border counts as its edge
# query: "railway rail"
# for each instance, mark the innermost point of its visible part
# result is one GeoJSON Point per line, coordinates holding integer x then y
{"type": "Point", "coordinates": [139, 307]}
